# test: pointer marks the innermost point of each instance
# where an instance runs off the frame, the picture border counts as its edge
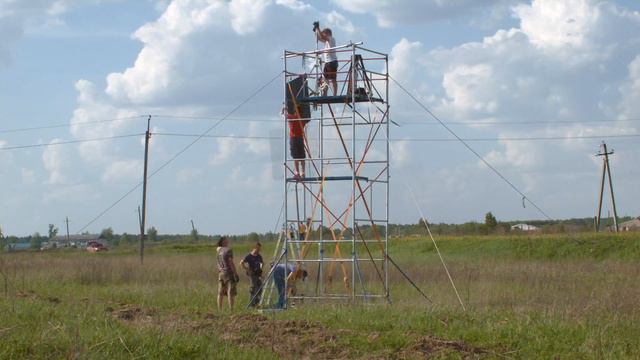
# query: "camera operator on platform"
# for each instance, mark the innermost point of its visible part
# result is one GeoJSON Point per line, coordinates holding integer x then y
{"type": "Point", "coordinates": [330, 59]}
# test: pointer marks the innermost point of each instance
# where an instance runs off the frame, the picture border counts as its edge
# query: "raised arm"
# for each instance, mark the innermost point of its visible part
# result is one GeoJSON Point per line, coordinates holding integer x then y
{"type": "Point", "coordinates": [320, 36]}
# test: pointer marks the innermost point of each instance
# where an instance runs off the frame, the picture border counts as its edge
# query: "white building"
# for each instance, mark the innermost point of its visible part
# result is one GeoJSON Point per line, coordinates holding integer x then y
{"type": "Point", "coordinates": [631, 225]}
{"type": "Point", "coordinates": [525, 227]}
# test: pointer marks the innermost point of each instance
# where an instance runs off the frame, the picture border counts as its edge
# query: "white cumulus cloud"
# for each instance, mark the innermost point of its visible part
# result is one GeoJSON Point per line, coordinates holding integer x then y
{"type": "Point", "coordinates": [574, 61]}
{"type": "Point", "coordinates": [390, 13]}
{"type": "Point", "coordinates": [56, 160]}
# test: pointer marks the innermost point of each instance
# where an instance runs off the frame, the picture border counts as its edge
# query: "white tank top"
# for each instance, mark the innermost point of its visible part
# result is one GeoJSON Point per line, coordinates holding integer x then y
{"type": "Point", "coordinates": [331, 54]}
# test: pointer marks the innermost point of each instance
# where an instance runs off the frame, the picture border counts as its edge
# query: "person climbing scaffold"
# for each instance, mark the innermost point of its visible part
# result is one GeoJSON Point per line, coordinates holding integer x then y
{"type": "Point", "coordinates": [296, 144]}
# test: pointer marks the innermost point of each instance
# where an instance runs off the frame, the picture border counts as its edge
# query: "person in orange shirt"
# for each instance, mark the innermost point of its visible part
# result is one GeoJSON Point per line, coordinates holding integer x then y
{"type": "Point", "coordinates": [296, 144]}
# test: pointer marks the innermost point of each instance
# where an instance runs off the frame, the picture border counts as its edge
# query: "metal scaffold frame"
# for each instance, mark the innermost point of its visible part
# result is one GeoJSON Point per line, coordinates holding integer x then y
{"type": "Point", "coordinates": [342, 203]}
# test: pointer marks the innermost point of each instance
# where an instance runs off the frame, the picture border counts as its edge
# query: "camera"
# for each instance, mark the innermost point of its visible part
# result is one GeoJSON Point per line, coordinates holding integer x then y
{"type": "Point", "coordinates": [316, 25]}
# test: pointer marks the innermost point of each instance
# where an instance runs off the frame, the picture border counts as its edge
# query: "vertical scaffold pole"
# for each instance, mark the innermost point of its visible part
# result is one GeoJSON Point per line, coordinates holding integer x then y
{"type": "Point", "coordinates": [353, 171]}
{"type": "Point", "coordinates": [386, 233]}
{"type": "Point", "coordinates": [286, 203]}
{"type": "Point", "coordinates": [371, 116]}
{"type": "Point", "coordinates": [320, 275]}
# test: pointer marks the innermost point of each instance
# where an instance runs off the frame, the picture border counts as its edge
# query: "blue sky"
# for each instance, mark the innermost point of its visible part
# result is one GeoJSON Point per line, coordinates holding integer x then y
{"type": "Point", "coordinates": [569, 70]}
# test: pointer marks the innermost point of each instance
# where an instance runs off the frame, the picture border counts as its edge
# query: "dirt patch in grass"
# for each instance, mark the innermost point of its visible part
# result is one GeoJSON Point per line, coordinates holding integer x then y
{"type": "Point", "coordinates": [296, 339]}
{"type": "Point", "coordinates": [131, 313]}
{"type": "Point", "coordinates": [433, 347]}
{"type": "Point", "coordinates": [31, 295]}
{"type": "Point", "coordinates": [290, 339]}
{"type": "Point", "coordinates": [303, 339]}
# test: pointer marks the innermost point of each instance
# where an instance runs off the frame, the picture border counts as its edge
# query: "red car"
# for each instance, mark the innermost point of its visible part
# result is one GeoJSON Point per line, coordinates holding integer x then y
{"type": "Point", "coordinates": [95, 246]}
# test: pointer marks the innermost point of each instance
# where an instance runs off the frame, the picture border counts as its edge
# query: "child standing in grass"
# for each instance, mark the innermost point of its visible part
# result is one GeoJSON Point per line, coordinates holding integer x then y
{"type": "Point", "coordinates": [252, 264]}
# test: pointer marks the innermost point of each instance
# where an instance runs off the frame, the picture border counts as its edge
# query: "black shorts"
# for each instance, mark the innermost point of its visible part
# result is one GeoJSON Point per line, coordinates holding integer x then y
{"type": "Point", "coordinates": [330, 70]}
{"type": "Point", "coordinates": [297, 147]}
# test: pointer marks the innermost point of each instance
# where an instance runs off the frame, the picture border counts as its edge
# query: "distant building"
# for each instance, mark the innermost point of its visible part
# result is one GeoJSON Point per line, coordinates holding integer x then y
{"type": "Point", "coordinates": [74, 241]}
{"type": "Point", "coordinates": [525, 227]}
{"type": "Point", "coordinates": [631, 225]}
{"type": "Point", "coordinates": [17, 247]}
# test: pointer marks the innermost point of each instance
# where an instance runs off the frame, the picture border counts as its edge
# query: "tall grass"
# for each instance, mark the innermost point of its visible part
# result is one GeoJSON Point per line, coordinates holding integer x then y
{"type": "Point", "coordinates": [527, 297]}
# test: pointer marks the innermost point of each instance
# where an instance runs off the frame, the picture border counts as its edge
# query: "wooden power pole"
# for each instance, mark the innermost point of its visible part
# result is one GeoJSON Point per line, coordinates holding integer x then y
{"type": "Point", "coordinates": [606, 171]}
{"type": "Point", "coordinates": [66, 221]}
{"type": "Point", "coordinates": [143, 216]}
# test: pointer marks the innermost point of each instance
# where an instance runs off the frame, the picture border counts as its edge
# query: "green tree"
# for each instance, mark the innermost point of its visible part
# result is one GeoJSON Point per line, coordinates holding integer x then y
{"type": "Point", "coordinates": [125, 239]}
{"type": "Point", "coordinates": [490, 221]}
{"type": "Point", "coordinates": [194, 234]}
{"type": "Point", "coordinates": [36, 241]}
{"type": "Point", "coordinates": [107, 234]}
{"type": "Point", "coordinates": [253, 237]}
{"type": "Point", "coordinates": [53, 231]}
{"type": "Point", "coordinates": [3, 241]}
{"type": "Point", "coordinates": [152, 234]}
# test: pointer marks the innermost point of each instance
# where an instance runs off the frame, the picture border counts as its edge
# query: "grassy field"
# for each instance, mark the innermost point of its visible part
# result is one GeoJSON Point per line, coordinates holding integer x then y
{"type": "Point", "coordinates": [551, 296]}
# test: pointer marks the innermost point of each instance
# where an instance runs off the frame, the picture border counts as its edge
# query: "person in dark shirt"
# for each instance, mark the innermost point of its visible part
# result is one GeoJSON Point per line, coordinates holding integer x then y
{"type": "Point", "coordinates": [252, 264]}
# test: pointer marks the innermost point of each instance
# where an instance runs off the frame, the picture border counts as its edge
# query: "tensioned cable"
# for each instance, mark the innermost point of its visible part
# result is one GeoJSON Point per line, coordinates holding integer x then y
{"type": "Point", "coordinates": [433, 240]}
{"type": "Point", "coordinates": [183, 150]}
{"type": "Point", "coordinates": [524, 197]}
{"type": "Point", "coordinates": [67, 142]}
{"type": "Point", "coordinates": [426, 224]}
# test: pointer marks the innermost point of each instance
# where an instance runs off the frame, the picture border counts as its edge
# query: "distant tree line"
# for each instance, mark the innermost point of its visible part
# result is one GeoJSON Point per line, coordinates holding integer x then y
{"type": "Point", "coordinates": [490, 226]}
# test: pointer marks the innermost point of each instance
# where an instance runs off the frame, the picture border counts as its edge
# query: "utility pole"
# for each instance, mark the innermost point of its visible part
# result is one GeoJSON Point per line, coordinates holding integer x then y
{"type": "Point", "coordinates": [143, 216]}
{"type": "Point", "coordinates": [606, 171]}
{"type": "Point", "coordinates": [66, 220]}
{"type": "Point", "coordinates": [193, 227]}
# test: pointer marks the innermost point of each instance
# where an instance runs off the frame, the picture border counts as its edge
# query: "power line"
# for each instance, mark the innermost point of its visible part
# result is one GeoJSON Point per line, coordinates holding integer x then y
{"type": "Point", "coordinates": [239, 137]}
{"type": "Point", "coordinates": [6, 148]}
{"type": "Point", "coordinates": [97, 122]}
{"type": "Point", "coordinates": [240, 119]}
{"type": "Point", "coordinates": [524, 197]}
{"type": "Point", "coordinates": [183, 150]}
{"type": "Point", "coordinates": [536, 138]}
{"type": "Point", "coordinates": [275, 120]}
{"type": "Point", "coordinates": [541, 122]}
{"type": "Point", "coordinates": [65, 125]}
{"type": "Point", "coordinates": [243, 137]}
{"type": "Point", "coordinates": [539, 138]}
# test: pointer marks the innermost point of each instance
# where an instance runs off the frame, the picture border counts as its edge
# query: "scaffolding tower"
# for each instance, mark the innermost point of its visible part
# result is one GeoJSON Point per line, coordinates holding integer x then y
{"type": "Point", "coordinates": [336, 217]}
